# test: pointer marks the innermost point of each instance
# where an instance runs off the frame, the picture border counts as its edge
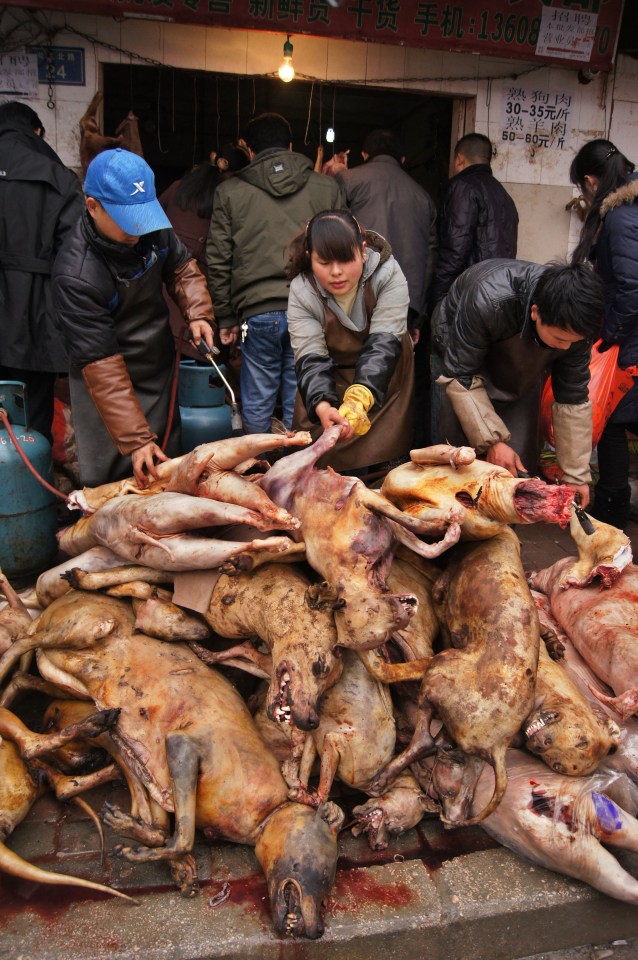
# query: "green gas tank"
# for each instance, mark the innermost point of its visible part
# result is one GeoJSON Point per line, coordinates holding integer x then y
{"type": "Point", "coordinates": [28, 518]}
{"type": "Point", "coordinates": [203, 410]}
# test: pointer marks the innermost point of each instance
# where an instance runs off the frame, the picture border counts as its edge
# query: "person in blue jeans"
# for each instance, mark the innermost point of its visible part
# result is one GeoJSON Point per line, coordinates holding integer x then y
{"type": "Point", "coordinates": [255, 214]}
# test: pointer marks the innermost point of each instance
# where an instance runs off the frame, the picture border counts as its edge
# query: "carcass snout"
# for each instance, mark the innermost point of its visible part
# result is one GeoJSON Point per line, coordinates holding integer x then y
{"type": "Point", "coordinates": [295, 914]}
{"type": "Point", "coordinates": [289, 700]}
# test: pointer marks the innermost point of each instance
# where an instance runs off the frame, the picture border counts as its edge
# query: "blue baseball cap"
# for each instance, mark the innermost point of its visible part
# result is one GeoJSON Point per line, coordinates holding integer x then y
{"type": "Point", "coordinates": [125, 186]}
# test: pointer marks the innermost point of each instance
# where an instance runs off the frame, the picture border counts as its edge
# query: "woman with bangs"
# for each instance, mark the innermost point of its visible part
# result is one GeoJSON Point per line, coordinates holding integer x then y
{"type": "Point", "coordinates": [354, 361]}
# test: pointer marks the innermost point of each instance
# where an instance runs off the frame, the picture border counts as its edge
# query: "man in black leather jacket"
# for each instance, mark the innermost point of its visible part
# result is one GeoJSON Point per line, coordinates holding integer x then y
{"type": "Point", "coordinates": [501, 326]}
{"type": "Point", "coordinates": [478, 219]}
{"type": "Point", "coordinates": [40, 202]}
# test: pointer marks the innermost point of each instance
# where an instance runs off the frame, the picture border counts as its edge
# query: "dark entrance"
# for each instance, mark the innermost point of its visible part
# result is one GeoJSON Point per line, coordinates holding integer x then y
{"type": "Point", "coordinates": [185, 114]}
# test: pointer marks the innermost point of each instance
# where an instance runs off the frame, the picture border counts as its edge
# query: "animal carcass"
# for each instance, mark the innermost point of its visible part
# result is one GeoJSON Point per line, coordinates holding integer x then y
{"type": "Point", "coordinates": [186, 735]}
{"type": "Point", "coordinates": [603, 626]}
{"type": "Point", "coordinates": [350, 533]}
{"type": "Point", "coordinates": [444, 477]}
{"type": "Point", "coordinates": [151, 531]}
{"type": "Point", "coordinates": [482, 688]}
{"type": "Point", "coordinates": [561, 823]}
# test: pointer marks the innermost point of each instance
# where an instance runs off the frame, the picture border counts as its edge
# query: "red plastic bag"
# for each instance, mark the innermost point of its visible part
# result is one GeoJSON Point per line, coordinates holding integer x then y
{"type": "Point", "coordinates": [608, 384]}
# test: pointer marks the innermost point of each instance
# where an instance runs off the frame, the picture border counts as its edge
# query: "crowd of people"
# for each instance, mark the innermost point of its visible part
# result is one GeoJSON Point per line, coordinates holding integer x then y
{"type": "Point", "coordinates": [325, 285]}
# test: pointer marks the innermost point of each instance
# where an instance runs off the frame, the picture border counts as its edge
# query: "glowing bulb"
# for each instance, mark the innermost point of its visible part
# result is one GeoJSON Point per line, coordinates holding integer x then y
{"type": "Point", "coordinates": [286, 70]}
{"type": "Point", "coordinates": [330, 135]}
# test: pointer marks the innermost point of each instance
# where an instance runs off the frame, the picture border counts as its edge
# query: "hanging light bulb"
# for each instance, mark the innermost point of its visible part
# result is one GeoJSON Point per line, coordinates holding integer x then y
{"type": "Point", "coordinates": [286, 70]}
{"type": "Point", "coordinates": [330, 135]}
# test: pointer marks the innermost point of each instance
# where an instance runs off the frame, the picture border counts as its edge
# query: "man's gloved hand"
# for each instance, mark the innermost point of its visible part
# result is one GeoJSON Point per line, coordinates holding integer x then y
{"type": "Point", "coordinates": [357, 400]}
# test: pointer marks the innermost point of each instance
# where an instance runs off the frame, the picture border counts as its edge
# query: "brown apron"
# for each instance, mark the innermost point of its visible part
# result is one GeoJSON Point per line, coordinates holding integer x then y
{"type": "Point", "coordinates": [390, 433]}
{"type": "Point", "coordinates": [514, 371]}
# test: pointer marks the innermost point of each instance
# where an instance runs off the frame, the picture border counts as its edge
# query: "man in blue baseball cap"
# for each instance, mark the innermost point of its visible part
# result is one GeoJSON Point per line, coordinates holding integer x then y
{"type": "Point", "coordinates": [107, 289]}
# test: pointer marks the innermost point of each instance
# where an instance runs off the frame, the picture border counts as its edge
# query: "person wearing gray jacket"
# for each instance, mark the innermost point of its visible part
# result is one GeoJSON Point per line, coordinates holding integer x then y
{"type": "Point", "coordinates": [255, 214]}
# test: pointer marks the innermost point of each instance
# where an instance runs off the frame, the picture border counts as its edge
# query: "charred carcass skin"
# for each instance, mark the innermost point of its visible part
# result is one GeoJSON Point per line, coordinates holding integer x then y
{"type": "Point", "coordinates": [442, 477]}
{"type": "Point", "coordinates": [15, 619]}
{"type": "Point", "coordinates": [24, 778]}
{"type": "Point", "coordinates": [603, 626]}
{"type": "Point", "coordinates": [275, 604]}
{"type": "Point", "coordinates": [563, 729]}
{"type": "Point", "coordinates": [350, 533]}
{"type": "Point", "coordinates": [561, 823]}
{"type": "Point", "coordinates": [187, 736]}
{"type": "Point", "coordinates": [482, 688]}
{"type": "Point", "coordinates": [150, 531]}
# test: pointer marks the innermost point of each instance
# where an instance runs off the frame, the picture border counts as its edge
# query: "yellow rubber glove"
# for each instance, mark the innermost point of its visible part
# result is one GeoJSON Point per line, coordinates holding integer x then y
{"type": "Point", "coordinates": [357, 400]}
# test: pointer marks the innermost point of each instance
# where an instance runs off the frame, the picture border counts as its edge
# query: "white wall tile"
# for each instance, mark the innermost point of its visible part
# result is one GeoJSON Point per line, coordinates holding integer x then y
{"type": "Point", "coordinates": [346, 60]}
{"type": "Point", "coordinates": [185, 46]}
{"type": "Point", "coordinates": [227, 51]}
{"type": "Point", "coordinates": [385, 62]}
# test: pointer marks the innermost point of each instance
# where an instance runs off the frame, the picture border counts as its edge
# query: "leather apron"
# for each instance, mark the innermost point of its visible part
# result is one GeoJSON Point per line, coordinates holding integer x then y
{"type": "Point", "coordinates": [390, 433]}
{"type": "Point", "coordinates": [146, 343]}
{"type": "Point", "coordinates": [515, 370]}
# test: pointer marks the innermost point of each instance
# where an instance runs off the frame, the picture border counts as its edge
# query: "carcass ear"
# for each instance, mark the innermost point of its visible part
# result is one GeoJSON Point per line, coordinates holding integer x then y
{"type": "Point", "coordinates": [321, 596]}
{"type": "Point", "coordinates": [332, 815]}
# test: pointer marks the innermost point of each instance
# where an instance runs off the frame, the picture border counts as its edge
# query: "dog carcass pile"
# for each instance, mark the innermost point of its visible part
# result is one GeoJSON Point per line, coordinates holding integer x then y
{"type": "Point", "coordinates": [363, 613]}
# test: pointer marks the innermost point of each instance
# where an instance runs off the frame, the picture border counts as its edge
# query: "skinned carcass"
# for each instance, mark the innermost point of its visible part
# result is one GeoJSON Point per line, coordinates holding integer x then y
{"type": "Point", "coordinates": [561, 823]}
{"type": "Point", "coordinates": [24, 778]}
{"type": "Point", "coordinates": [212, 470]}
{"type": "Point", "coordinates": [350, 533]}
{"type": "Point", "coordinates": [15, 619]}
{"type": "Point", "coordinates": [187, 736]}
{"type": "Point", "coordinates": [482, 688]}
{"type": "Point", "coordinates": [445, 477]}
{"type": "Point", "coordinates": [150, 531]}
{"type": "Point", "coordinates": [603, 626]}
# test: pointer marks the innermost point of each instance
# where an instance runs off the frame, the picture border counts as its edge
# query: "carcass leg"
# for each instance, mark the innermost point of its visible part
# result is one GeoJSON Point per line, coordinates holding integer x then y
{"type": "Point", "coordinates": [421, 744]}
{"type": "Point", "coordinates": [183, 763]}
{"type": "Point", "coordinates": [35, 744]}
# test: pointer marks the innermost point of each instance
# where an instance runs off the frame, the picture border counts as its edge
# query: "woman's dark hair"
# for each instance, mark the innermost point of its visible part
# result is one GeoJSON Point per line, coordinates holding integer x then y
{"type": "Point", "coordinates": [571, 297]}
{"type": "Point", "coordinates": [332, 234]}
{"type": "Point", "coordinates": [601, 159]}
{"type": "Point", "coordinates": [197, 187]}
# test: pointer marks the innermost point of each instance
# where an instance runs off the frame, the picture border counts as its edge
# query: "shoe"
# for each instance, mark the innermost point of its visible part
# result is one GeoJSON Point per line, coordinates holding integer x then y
{"type": "Point", "coordinates": [612, 505]}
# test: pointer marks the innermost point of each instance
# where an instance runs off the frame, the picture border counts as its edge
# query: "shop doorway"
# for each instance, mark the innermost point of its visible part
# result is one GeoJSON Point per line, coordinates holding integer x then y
{"type": "Point", "coordinates": [185, 114]}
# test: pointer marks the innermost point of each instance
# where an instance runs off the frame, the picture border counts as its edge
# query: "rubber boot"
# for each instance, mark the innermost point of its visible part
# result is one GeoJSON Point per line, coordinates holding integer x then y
{"type": "Point", "coordinates": [611, 505]}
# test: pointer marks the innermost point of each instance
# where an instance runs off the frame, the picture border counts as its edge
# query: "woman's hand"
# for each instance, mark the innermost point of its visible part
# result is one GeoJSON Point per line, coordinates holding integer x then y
{"type": "Point", "coordinates": [581, 493]}
{"type": "Point", "coordinates": [328, 415]}
{"type": "Point", "coordinates": [228, 335]}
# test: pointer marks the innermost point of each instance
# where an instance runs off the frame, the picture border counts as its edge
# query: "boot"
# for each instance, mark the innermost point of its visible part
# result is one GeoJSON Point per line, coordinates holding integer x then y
{"type": "Point", "coordinates": [611, 505]}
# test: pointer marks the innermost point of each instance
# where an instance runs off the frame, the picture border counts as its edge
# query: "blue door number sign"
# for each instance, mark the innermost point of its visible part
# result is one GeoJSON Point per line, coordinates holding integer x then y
{"type": "Point", "coordinates": [60, 65]}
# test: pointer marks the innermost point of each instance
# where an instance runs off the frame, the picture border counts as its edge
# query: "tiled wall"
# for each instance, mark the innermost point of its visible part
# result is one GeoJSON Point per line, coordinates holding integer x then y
{"type": "Point", "coordinates": [532, 175]}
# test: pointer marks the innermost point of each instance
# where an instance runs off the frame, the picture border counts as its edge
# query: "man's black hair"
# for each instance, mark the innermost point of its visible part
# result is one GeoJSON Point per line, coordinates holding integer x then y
{"type": "Point", "coordinates": [382, 142]}
{"type": "Point", "coordinates": [475, 147]}
{"type": "Point", "coordinates": [571, 298]}
{"type": "Point", "coordinates": [16, 112]}
{"type": "Point", "coordinates": [268, 131]}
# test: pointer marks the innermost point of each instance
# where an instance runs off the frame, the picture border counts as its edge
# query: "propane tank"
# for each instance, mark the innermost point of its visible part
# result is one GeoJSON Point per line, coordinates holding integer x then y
{"type": "Point", "coordinates": [203, 409]}
{"type": "Point", "coordinates": [28, 516]}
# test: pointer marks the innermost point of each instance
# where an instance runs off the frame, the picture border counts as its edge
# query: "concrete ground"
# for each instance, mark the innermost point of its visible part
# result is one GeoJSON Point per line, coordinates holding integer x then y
{"type": "Point", "coordinates": [435, 894]}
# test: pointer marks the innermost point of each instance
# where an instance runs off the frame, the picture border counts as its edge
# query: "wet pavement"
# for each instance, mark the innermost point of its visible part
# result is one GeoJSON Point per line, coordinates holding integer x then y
{"type": "Point", "coordinates": [434, 893]}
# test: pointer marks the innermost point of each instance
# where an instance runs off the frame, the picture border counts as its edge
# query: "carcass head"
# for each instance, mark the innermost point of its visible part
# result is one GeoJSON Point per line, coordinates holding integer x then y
{"type": "Point", "coordinates": [569, 738]}
{"type": "Point", "coordinates": [297, 850]}
{"type": "Point", "coordinates": [298, 683]}
{"type": "Point", "coordinates": [369, 617]}
{"type": "Point", "coordinates": [454, 776]}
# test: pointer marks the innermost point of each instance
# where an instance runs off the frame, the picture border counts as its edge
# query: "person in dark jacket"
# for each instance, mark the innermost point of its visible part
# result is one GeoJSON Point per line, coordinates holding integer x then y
{"type": "Point", "coordinates": [188, 204]}
{"type": "Point", "coordinates": [478, 220]}
{"type": "Point", "coordinates": [107, 288]}
{"type": "Point", "coordinates": [255, 215]}
{"type": "Point", "coordinates": [609, 239]}
{"type": "Point", "coordinates": [501, 325]}
{"type": "Point", "coordinates": [40, 201]}
{"type": "Point", "coordinates": [386, 198]}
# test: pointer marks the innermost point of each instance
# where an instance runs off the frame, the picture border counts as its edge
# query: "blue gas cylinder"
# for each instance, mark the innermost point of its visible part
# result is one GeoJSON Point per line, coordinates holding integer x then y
{"type": "Point", "coordinates": [28, 518]}
{"type": "Point", "coordinates": [203, 409]}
